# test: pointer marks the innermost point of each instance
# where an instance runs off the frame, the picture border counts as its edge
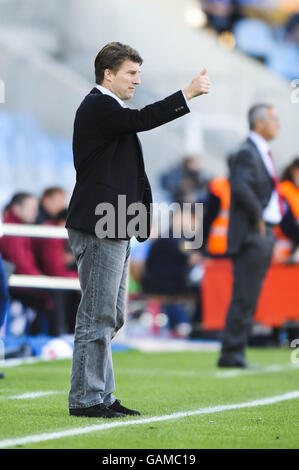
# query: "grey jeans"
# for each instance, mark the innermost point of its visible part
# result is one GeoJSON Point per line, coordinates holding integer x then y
{"type": "Point", "coordinates": [102, 268]}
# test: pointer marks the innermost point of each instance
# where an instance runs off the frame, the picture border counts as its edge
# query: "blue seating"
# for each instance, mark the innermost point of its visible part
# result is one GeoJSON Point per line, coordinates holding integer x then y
{"type": "Point", "coordinates": [31, 160]}
{"type": "Point", "coordinates": [254, 37]}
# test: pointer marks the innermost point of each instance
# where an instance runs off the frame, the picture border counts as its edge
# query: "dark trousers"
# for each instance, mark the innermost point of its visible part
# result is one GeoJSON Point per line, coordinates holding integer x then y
{"type": "Point", "coordinates": [62, 314]}
{"type": "Point", "coordinates": [250, 266]}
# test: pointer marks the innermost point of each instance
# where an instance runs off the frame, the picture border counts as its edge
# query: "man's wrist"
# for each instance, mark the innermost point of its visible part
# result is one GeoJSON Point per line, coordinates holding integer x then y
{"type": "Point", "coordinates": [187, 94]}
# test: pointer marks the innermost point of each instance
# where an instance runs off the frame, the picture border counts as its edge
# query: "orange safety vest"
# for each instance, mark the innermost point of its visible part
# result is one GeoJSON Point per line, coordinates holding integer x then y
{"type": "Point", "coordinates": [283, 245]}
{"type": "Point", "coordinates": [217, 239]}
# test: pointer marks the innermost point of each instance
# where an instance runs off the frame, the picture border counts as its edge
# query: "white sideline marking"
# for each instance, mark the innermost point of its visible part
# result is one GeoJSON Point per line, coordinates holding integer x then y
{"type": "Point", "coordinates": [220, 375]}
{"type": "Point", "coordinates": [236, 373]}
{"type": "Point", "coordinates": [183, 373]}
{"type": "Point", "coordinates": [32, 395]}
{"type": "Point", "coordinates": [26, 360]}
{"type": "Point", "coordinates": [156, 345]}
{"type": "Point", "coordinates": [117, 424]}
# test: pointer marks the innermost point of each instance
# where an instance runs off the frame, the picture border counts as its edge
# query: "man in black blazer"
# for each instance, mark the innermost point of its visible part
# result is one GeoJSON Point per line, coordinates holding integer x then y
{"type": "Point", "coordinates": [109, 164]}
{"type": "Point", "coordinates": [256, 207]}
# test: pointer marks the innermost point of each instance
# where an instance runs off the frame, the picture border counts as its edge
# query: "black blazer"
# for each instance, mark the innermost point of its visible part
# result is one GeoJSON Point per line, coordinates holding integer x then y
{"type": "Point", "coordinates": [108, 155]}
{"type": "Point", "coordinates": [251, 188]}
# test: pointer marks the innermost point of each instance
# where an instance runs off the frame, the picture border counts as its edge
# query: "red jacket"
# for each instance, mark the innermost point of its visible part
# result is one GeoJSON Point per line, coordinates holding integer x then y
{"type": "Point", "coordinates": [50, 255]}
{"type": "Point", "coordinates": [18, 250]}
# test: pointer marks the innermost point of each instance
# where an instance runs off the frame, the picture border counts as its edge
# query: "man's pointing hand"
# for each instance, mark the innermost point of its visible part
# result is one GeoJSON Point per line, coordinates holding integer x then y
{"type": "Point", "coordinates": [200, 85]}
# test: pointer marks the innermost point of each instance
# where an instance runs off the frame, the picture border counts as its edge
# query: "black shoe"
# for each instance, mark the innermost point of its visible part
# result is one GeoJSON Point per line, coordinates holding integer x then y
{"type": "Point", "coordinates": [1, 375]}
{"type": "Point", "coordinates": [116, 406]}
{"type": "Point", "coordinates": [96, 411]}
{"type": "Point", "coordinates": [240, 363]}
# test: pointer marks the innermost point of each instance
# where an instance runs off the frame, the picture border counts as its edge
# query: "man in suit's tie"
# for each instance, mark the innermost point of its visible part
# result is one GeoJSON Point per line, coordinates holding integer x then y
{"type": "Point", "coordinates": [256, 207]}
{"type": "Point", "coordinates": [109, 163]}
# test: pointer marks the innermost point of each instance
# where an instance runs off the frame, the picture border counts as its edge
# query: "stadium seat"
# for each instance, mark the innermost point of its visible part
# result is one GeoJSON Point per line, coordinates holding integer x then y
{"type": "Point", "coordinates": [254, 37]}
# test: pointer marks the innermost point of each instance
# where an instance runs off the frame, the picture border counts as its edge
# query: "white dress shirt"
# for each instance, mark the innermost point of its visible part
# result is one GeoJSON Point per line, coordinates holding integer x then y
{"type": "Point", "coordinates": [271, 212]}
{"type": "Point", "coordinates": [105, 91]}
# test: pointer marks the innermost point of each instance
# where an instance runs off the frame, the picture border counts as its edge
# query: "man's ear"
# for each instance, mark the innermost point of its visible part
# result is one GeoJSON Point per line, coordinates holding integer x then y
{"type": "Point", "coordinates": [107, 75]}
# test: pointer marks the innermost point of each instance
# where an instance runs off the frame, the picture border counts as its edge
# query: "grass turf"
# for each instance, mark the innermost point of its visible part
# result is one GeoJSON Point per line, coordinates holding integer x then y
{"type": "Point", "coordinates": [159, 384]}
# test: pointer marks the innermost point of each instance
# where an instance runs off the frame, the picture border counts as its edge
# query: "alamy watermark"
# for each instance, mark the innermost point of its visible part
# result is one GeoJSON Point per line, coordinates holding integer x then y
{"type": "Point", "coordinates": [295, 91]}
{"type": "Point", "coordinates": [186, 221]}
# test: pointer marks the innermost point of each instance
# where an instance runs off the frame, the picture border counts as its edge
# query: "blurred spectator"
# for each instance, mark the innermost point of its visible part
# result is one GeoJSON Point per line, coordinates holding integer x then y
{"type": "Point", "coordinates": [51, 254]}
{"type": "Point", "coordinates": [4, 296]}
{"type": "Point", "coordinates": [53, 201]}
{"type": "Point", "coordinates": [170, 272]}
{"type": "Point", "coordinates": [284, 58]}
{"type": "Point", "coordinates": [185, 182]}
{"type": "Point", "coordinates": [292, 29]}
{"type": "Point", "coordinates": [53, 259]}
{"type": "Point", "coordinates": [216, 216]}
{"type": "Point", "coordinates": [22, 209]}
{"type": "Point", "coordinates": [221, 14]}
{"type": "Point", "coordinates": [6, 210]}
{"type": "Point", "coordinates": [264, 29]}
{"type": "Point", "coordinates": [139, 253]}
{"type": "Point", "coordinates": [287, 234]}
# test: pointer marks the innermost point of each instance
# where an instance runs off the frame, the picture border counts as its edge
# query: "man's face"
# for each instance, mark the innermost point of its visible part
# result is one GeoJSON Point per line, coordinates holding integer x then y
{"type": "Point", "coordinates": [124, 81]}
{"type": "Point", "coordinates": [269, 127]}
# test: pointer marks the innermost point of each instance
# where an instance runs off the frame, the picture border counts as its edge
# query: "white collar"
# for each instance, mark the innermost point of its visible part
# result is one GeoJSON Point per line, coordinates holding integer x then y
{"type": "Point", "coordinates": [260, 142]}
{"type": "Point", "coordinates": [105, 91]}
{"type": "Point", "coordinates": [264, 150]}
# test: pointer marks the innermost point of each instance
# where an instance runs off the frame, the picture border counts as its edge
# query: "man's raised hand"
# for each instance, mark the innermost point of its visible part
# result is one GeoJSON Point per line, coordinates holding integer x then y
{"type": "Point", "coordinates": [200, 85]}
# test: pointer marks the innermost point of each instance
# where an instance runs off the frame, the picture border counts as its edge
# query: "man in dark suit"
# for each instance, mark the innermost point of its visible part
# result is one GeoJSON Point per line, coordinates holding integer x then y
{"type": "Point", "coordinates": [109, 164]}
{"type": "Point", "coordinates": [256, 207]}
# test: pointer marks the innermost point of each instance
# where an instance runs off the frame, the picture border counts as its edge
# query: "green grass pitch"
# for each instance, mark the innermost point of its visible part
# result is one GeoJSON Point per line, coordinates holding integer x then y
{"type": "Point", "coordinates": [160, 384]}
